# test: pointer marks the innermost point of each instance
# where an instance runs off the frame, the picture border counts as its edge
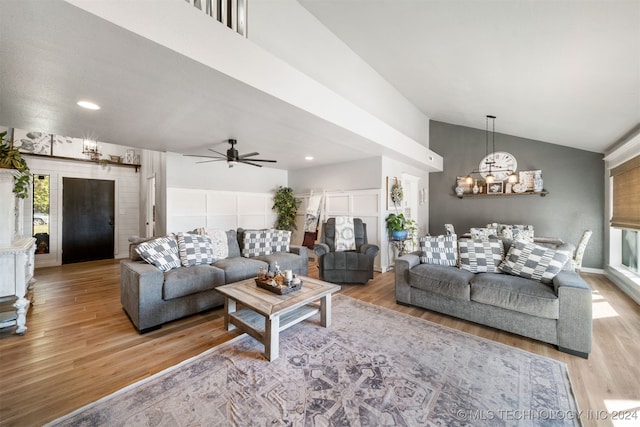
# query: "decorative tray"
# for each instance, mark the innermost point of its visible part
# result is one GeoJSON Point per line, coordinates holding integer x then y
{"type": "Point", "coordinates": [278, 289]}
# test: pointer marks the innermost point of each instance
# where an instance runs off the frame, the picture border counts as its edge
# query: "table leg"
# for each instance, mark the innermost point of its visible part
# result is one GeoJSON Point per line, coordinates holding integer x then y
{"type": "Point", "coordinates": [229, 307]}
{"type": "Point", "coordinates": [22, 305]}
{"type": "Point", "coordinates": [271, 338]}
{"type": "Point", "coordinates": [325, 311]}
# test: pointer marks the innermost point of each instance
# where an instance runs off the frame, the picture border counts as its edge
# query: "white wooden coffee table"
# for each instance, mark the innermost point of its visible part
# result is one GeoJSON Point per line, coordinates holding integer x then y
{"type": "Point", "coordinates": [264, 314]}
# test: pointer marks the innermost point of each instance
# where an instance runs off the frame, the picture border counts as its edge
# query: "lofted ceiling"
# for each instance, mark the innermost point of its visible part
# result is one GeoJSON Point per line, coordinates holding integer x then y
{"type": "Point", "coordinates": [563, 72]}
{"type": "Point", "coordinates": [53, 54]}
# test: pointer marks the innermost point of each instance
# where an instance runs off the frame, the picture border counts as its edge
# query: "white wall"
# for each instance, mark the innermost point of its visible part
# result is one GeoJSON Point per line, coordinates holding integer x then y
{"type": "Point", "coordinates": [188, 209]}
{"type": "Point", "coordinates": [390, 169]}
{"type": "Point", "coordinates": [351, 178]}
{"type": "Point", "coordinates": [286, 29]}
{"type": "Point", "coordinates": [185, 172]}
{"type": "Point", "coordinates": [127, 207]}
{"type": "Point", "coordinates": [355, 175]}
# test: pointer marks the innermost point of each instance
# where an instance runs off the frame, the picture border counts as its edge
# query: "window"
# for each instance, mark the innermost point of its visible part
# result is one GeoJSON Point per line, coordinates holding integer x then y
{"type": "Point", "coordinates": [41, 217]}
{"type": "Point", "coordinates": [630, 249]}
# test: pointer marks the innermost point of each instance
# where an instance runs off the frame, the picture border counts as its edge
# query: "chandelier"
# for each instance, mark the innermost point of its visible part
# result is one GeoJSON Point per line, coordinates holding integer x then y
{"type": "Point", "coordinates": [489, 166]}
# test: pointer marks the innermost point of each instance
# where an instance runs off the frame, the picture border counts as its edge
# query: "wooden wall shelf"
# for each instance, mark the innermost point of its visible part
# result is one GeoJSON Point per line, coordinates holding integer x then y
{"type": "Point", "coordinates": [528, 193]}
{"type": "Point", "coordinates": [75, 159]}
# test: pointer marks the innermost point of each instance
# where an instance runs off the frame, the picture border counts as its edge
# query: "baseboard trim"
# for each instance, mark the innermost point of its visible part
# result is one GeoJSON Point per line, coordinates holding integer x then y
{"type": "Point", "coordinates": [593, 270]}
{"type": "Point", "coordinates": [625, 284]}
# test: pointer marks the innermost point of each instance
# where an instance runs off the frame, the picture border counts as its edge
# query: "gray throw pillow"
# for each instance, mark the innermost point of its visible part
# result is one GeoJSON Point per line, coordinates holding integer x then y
{"type": "Point", "coordinates": [533, 261]}
{"type": "Point", "coordinates": [480, 256]}
{"type": "Point", "coordinates": [161, 252]}
{"type": "Point", "coordinates": [440, 250]}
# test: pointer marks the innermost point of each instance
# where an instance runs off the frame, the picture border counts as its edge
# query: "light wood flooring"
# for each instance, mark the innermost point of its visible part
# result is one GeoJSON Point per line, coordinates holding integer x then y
{"type": "Point", "coordinates": [80, 346]}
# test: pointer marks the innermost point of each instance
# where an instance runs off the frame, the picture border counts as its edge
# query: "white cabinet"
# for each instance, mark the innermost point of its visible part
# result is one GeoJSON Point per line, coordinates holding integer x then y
{"type": "Point", "coordinates": [16, 257]}
{"type": "Point", "coordinates": [16, 272]}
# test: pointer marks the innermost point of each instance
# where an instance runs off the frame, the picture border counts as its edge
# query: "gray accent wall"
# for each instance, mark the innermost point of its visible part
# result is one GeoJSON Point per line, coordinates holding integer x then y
{"type": "Point", "coordinates": [573, 178]}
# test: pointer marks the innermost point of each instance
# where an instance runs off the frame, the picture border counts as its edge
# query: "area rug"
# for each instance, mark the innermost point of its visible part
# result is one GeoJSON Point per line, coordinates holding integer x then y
{"type": "Point", "coordinates": [371, 367]}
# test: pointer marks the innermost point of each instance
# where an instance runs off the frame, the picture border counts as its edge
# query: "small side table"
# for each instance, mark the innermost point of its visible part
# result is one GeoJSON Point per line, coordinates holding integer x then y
{"type": "Point", "coordinates": [399, 245]}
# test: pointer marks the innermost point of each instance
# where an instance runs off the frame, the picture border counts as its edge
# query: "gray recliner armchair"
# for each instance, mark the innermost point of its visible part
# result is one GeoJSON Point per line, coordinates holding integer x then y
{"type": "Point", "coordinates": [354, 266]}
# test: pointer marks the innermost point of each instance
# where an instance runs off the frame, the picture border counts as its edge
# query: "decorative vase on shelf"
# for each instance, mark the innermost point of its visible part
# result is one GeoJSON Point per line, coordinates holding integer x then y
{"type": "Point", "coordinates": [475, 188]}
{"type": "Point", "coordinates": [459, 190]}
{"type": "Point", "coordinates": [538, 183]}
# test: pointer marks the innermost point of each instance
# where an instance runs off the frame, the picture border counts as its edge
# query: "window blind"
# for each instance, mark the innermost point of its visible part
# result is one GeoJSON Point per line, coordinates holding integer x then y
{"type": "Point", "coordinates": [626, 195]}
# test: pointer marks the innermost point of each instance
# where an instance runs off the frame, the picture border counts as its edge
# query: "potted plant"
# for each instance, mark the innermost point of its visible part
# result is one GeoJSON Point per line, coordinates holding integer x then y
{"type": "Point", "coordinates": [286, 205]}
{"type": "Point", "coordinates": [11, 158]}
{"type": "Point", "coordinates": [396, 226]}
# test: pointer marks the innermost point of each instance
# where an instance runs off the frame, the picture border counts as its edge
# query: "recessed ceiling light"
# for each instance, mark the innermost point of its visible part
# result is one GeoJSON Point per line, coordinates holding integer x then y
{"type": "Point", "coordinates": [88, 105]}
{"type": "Point", "coordinates": [308, 158]}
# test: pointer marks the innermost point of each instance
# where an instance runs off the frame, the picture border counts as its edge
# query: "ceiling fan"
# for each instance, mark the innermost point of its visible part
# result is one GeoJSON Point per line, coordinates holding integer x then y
{"type": "Point", "coordinates": [231, 157]}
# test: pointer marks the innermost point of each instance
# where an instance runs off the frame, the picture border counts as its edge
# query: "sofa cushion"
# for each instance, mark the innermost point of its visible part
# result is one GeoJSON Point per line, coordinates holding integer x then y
{"type": "Point", "coordinates": [515, 293]}
{"type": "Point", "coordinates": [533, 261]}
{"type": "Point", "coordinates": [240, 268]}
{"type": "Point", "coordinates": [443, 280]}
{"type": "Point", "coordinates": [480, 256]}
{"type": "Point", "coordinates": [256, 242]}
{"type": "Point", "coordinates": [439, 250]}
{"type": "Point", "coordinates": [285, 260]}
{"type": "Point", "coordinates": [161, 252]}
{"type": "Point", "coordinates": [346, 260]}
{"type": "Point", "coordinates": [194, 249]}
{"type": "Point", "coordinates": [185, 281]}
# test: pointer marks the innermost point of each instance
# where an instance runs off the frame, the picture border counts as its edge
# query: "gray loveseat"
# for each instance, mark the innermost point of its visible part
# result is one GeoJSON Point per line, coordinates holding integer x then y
{"type": "Point", "coordinates": [558, 313]}
{"type": "Point", "coordinates": [151, 297]}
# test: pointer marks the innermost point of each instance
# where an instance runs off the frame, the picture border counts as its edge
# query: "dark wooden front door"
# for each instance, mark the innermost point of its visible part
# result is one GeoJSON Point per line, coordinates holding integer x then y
{"type": "Point", "coordinates": [87, 219]}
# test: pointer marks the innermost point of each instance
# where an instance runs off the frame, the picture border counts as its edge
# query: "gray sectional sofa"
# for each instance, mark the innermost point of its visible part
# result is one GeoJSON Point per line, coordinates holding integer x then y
{"type": "Point", "coordinates": [558, 313]}
{"type": "Point", "coordinates": [151, 297]}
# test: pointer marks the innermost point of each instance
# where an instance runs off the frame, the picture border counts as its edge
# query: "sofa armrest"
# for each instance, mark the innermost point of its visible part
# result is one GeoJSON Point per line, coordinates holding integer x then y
{"type": "Point", "coordinates": [403, 265]}
{"type": "Point", "coordinates": [575, 319]}
{"type": "Point", "coordinates": [140, 290]}
{"type": "Point", "coordinates": [303, 251]}
{"type": "Point", "coordinates": [321, 249]}
{"type": "Point", "coordinates": [369, 249]}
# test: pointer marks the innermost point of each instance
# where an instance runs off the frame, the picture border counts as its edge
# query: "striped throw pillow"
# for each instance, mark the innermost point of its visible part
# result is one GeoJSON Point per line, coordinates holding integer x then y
{"type": "Point", "coordinates": [533, 261]}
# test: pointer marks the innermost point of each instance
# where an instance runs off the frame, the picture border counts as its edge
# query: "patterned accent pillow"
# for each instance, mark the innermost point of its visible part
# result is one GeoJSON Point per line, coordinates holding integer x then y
{"type": "Point", "coordinates": [483, 233]}
{"type": "Point", "coordinates": [441, 250]}
{"type": "Point", "coordinates": [256, 243]}
{"type": "Point", "coordinates": [533, 261]}
{"type": "Point", "coordinates": [161, 252]}
{"type": "Point", "coordinates": [280, 240]}
{"type": "Point", "coordinates": [194, 249]}
{"type": "Point", "coordinates": [480, 256]}
{"type": "Point", "coordinates": [518, 232]}
{"type": "Point", "coordinates": [345, 236]}
{"type": "Point", "coordinates": [219, 242]}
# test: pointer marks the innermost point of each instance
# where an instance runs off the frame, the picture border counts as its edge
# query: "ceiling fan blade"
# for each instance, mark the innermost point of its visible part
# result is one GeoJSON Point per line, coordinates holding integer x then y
{"type": "Point", "coordinates": [248, 155]}
{"type": "Point", "coordinates": [246, 162]}
{"type": "Point", "coordinates": [212, 160]}
{"type": "Point", "coordinates": [263, 160]}
{"type": "Point", "coordinates": [200, 155]}
{"type": "Point", "coordinates": [217, 152]}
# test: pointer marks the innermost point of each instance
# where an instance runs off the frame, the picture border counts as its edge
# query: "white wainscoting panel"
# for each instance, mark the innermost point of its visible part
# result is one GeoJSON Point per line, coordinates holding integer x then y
{"type": "Point", "coordinates": [363, 204]}
{"type": "Point", "coordinates": [188, 209]}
